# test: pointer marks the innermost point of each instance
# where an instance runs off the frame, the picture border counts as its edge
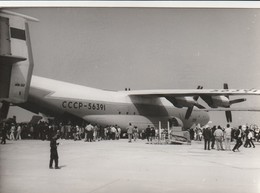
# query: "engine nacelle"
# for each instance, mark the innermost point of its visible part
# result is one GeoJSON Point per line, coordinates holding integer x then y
{"type": "Point", "coordinates": [180, 102]}
{"type": "Point", "coordinates": [220, 101]}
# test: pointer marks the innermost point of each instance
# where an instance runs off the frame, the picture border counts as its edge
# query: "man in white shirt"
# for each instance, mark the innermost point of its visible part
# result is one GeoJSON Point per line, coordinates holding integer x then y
{"type": "Point", "coordinates": [89, 130]}
{"type": "Point", "coordinates": [219, 137]}
{"type": "Point", "coordinates": [130, 132]}
{"type": "Point", "coordinates": [227, 137]}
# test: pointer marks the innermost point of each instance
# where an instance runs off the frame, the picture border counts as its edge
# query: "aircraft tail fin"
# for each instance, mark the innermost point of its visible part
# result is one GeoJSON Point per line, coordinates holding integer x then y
{"type": "Point", "coordinates": [16, 60]}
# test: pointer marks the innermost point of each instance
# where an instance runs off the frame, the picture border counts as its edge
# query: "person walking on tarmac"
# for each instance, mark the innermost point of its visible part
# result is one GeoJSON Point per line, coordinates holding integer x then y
{"type": "Point", "coordinates": [238, 136]}
{"type": "Point", "coordinates": [54, 153]}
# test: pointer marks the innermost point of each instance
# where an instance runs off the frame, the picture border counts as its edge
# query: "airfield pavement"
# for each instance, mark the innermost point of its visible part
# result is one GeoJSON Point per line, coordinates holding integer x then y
{"type": "Point", "coordinates": [119, 166]}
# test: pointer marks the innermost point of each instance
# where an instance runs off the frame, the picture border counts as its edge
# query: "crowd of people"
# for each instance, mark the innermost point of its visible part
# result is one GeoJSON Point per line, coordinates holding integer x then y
{"type": "Point", "coordinates": [44, 131]}
{"type": "Point", "coordinates": [225, 135]}
{"type": "Point", "coordinates": [88, 132]}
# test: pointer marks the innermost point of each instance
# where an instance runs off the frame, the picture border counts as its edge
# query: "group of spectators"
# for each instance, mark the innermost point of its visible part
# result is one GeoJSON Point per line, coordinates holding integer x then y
{"type": "Point", "coordinates": [218, 135]}
{"type": "Point", "coordinates": [93, 132]}
{"type": "Point", "coordinates": [44, 131]}
{"type": "Point", "coordinates": [150, 133]}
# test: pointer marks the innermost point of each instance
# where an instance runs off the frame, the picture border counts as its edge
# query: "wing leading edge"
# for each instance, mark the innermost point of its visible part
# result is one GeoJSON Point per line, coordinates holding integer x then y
{"type": "Point", "coordinates": [193, 92]}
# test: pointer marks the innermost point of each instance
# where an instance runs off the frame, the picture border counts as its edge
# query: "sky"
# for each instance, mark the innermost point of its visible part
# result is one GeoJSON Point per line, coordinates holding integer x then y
{"type": "Point", "coordinates": [149, 48]}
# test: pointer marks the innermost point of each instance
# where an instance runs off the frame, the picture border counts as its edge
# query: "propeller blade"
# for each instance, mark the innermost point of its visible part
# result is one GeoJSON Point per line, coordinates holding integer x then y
{"type": "Point", "coordinates": [237, 101]}
{"type": "Point", "coordinates": [228, 113]}
{"type": "Point", "coordinates": [225, 86]}
{"type": "Point", "coordinates": [228, 116]}
{"type": "Point", "coordinates": [199, 106]}
{"type": "Point", "coordinates": [197, 97]}
{"type": "Point", "coordinates": [188, 112]}
{"type": "Point", "coordinates": [190, 109]}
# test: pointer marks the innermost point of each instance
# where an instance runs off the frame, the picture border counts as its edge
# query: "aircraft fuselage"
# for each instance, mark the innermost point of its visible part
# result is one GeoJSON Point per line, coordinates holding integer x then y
{"type": "Point", "coordinates": [106, 107]}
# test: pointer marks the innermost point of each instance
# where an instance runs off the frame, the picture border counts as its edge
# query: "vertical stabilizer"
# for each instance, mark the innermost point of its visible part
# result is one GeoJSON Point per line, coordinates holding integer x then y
{"type": "Point", "coordinates": [16, 61]}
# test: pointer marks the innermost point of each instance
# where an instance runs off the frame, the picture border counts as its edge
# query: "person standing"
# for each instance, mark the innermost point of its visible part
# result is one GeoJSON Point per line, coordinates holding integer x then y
{"type": "Point", "coordinates": [11, 137]}
{"type": "Point", "coordinates": [153, 134]}
{"type": "Point", "coordinates": [130, 132]}
{"type": "Point", "coordinates": [191, 133]}
{"type": "Point", "coordinates": [118, 132]}
{"type": "Point", "coordinates": [113, 132]}
{"type": "Point", "coordinates": [238, 136]}
{"type": "Point", "coordinates": [136, 132]}
{"type": "Point", "coordinates": [227, 137]}
{"type": "Point", "coordinates": [257, 133]}
{"type": "Point", "coordinates": [19, 130]}
{"type": "Point", "coordinates": [54, 153]}
{"type": "Point", "coordinates": [207, 136]}
{"type": "Point", "coordinates": [250, 138]}
{"type": "Point", "coordinates": [4, 132]}
{"type": "Point", "coordinates": [89, 129]}
{"type": "Point", "coordinates": [148, 133]}
{"type": "Point", "coordinates": [213, 129]}
{"type": "Point", "coordinates": [219, 137]}
{"type": "Point", "coordinates": [246, 132]}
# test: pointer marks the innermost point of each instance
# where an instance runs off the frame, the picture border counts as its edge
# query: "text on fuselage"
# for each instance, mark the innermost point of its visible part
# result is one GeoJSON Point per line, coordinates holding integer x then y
{"type": "Point", "coordinates": [81, 105]}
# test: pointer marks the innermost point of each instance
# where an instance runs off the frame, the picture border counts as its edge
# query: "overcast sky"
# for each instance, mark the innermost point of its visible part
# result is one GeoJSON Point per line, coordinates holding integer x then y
{"type": "Point", "coordinates": [150, 48]}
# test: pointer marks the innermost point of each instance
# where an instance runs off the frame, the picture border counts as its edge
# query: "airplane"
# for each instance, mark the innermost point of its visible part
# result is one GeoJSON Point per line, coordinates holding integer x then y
{"type": "Point", "coordinates": [71, 101]}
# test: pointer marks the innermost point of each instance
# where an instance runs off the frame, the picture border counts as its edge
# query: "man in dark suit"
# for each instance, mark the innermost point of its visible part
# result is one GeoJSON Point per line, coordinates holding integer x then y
{"type": "Point", "coordinates": [238, 136]}
{"type": "Point", "coordinates": [54, 153]}
{"type": "Point", "coordinates": [207, 137]}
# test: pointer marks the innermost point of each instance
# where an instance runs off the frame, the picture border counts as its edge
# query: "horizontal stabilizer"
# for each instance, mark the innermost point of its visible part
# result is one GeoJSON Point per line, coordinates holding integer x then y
{"type": "Point", "coordinates": [10, 59]}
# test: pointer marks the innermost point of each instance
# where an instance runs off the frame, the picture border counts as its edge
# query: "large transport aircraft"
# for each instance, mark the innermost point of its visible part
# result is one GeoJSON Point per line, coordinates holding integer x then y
{"type": "Point", "coordinates": [65, 100]}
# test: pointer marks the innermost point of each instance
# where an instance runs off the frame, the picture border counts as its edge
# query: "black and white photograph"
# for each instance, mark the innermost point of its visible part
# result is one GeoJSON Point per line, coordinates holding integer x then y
{"type": "Point", "coordinates": [129, 99]}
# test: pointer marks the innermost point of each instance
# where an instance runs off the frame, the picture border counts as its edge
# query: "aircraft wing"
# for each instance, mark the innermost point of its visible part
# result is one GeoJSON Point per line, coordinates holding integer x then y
{"type": "Point", "coordinates": [231, 109]}
{"type": "Point", "coordinates": [193, 92]}
{"type": "Point", "coordinates": [189, 98]}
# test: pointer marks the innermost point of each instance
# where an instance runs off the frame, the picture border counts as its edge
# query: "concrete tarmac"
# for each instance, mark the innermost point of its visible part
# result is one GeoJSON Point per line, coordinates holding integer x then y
{"type": "Point", "coordinates": [119, 166]}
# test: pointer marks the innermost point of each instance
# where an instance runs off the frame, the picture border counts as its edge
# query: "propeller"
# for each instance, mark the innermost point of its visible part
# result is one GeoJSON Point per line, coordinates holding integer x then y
{"type": "Point", "coordinates": [190, 109]}
{"type": "Point", "coordinates": [228, 113]}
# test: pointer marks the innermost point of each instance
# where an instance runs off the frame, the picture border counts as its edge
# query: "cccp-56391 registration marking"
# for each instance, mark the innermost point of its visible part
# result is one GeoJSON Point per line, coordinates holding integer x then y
{"type": "Point", "coordinates": [79, 105]}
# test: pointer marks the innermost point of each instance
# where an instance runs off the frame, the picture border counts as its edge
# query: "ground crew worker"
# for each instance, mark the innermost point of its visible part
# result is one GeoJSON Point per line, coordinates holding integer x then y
{"type": "Point", "coordinates": [54, 153]}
